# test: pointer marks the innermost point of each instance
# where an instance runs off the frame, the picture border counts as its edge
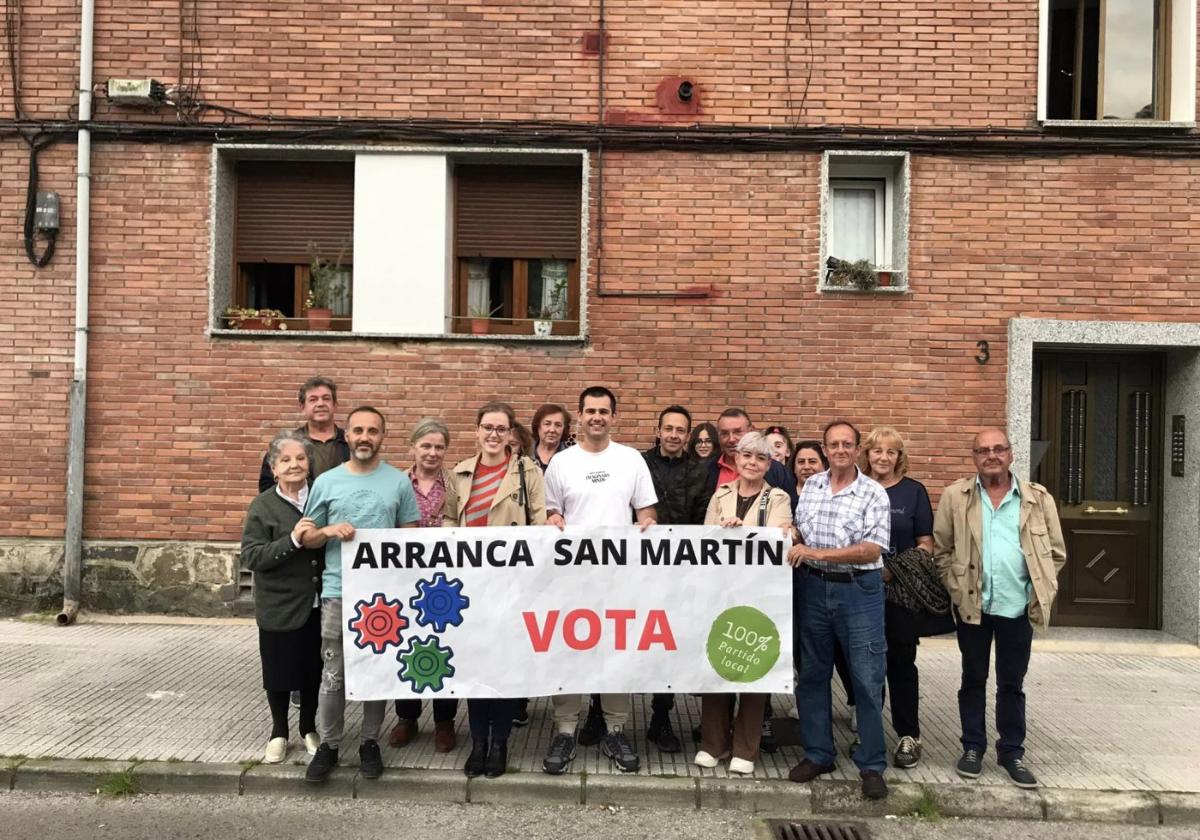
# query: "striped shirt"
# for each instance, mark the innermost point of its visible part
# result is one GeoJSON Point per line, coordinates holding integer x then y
{"type": "Point", "coordinates": [859, 512]}
{"type": "Point", "coordinates": [484, 485]}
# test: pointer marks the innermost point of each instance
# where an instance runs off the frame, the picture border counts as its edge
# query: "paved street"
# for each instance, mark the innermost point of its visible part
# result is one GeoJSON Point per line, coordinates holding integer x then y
{"type": "Point", "coordinates": [191, 692]}
{"type": "Point", "coordinates": [28, 817]}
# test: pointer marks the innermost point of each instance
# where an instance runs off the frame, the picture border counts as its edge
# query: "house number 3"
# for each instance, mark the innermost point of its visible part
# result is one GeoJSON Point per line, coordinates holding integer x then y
{"type": "Point", "coordinates": [984, 354]}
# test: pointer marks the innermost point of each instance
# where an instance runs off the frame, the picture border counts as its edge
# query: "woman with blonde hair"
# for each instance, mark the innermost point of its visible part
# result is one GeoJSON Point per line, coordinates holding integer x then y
{"type": "Point", "coordinates": [495, 487]}
{"type": "Point", "coordinates": [915, 598]}
{"type": "Point", "coordinates": [747, 500]}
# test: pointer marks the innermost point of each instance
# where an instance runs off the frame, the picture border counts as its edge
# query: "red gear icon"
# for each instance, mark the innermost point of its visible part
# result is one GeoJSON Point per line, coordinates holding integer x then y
{"type": "Point", "coordinates": [378, 623]}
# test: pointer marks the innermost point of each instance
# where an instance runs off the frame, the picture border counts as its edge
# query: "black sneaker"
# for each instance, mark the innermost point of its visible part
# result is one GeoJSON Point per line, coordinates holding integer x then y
{"type": "Point", "coordinates": [594, 727]}
{"type": "Point", "coordinates": [696, 734]}
{"type": "Point", "coordinates": [322, 764]}
{"type": "Point", "coordinates": [660, 733]}
{"type": "Point", "coordinates": [873, 785]}
{"type": "Point", "coordinates": [970, 766]}
{"type": "Point", "coordinates": [908, 753]}
{"type": "Point", "coordinates": [370, 762]}
{"type": "Point", "coordinates": [560, 755]}
{"type": "Point", "coordinates": [295, 699]}
{"type": "Point", "coordinates": [521, 714]}
{"type": "Point", "coordinates": [617, 747]}
{"type": "Point", "coordinates": [767, 742]}
{"type": "Point", "coordinates": [1021, 775]}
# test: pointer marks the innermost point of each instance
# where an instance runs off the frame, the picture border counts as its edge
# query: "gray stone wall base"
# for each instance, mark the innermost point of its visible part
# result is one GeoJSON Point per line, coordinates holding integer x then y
{"type": "Point", "coordinates": [188, 578]}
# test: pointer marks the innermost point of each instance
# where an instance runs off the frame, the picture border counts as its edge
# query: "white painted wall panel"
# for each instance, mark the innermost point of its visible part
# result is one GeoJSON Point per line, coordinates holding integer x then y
{"type": "Point", "coordinates": [401, 244]}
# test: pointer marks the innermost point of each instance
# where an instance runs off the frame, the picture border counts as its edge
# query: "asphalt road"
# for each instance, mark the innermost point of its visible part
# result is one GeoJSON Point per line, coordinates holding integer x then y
{"type": "Point", "coordinates": [30, 816]}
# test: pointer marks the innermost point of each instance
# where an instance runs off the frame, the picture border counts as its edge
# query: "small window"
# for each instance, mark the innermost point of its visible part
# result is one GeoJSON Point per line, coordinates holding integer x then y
{"type": "Point", "coordinates": [1127, 60]}
{"type": "Point", "coordinates": [290, 215]}
{"type": "Point", "coordinates": [516, 245]}
{"type": "Point", "coordinates": [864, 217]}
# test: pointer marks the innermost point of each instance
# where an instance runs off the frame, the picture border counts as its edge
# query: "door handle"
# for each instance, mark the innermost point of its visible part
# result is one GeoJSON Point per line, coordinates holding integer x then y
{"type": "Point", "coordinates": [1120, 511]}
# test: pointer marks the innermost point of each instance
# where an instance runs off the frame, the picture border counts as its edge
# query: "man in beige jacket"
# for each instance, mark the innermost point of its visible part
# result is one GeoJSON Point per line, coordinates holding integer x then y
{"type": "Point", "coordinates": [999, 549]}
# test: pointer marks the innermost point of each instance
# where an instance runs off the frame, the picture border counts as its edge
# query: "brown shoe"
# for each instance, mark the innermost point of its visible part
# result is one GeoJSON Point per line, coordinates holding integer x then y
{"type": "Point", "coordinates": [402, 733]}
{"type": "Point", "coordinates": [873, 785]}
{"type": "Point", "coordinates": [806, 771]}
{"type": "Point", "coordinates": [444, 740]}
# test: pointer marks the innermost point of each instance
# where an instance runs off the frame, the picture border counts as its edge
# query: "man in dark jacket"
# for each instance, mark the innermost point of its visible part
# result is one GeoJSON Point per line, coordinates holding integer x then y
{"type": "Point", "coordinates": [732, 426]}
{"type": "Point", "coordinates": [681, 485]}
{"type": "Point", "coordinates": [318, 402]}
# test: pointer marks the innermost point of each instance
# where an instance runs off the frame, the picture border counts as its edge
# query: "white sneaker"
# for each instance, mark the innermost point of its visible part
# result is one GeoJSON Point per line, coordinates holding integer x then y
{"type": "Point", "coordinates": [311, 741]}
{"type": "Point", "coordinates": [276, 751]}
{"type": "Point", "coordinates": [741, 765]}
{"type": "Point", "coordinates": [703, 759]}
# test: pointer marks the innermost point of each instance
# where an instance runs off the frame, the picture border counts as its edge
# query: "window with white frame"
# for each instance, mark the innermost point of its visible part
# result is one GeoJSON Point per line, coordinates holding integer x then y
{"type": "Point", "coordinates": [864, 216]}
{"type": "Point", "coordinates": [1117, 61]}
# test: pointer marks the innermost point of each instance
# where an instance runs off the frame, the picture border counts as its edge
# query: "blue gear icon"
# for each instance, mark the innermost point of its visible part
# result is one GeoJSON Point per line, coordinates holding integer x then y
{"type": "Point", "coordinates": [439, 602]}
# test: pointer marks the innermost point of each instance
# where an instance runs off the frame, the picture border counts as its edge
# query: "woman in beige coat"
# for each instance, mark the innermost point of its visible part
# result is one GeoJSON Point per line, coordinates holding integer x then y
{"type": "Point", "coordinates": [747, 501]}
{"type": "Point", "coordinates": [495, 487]}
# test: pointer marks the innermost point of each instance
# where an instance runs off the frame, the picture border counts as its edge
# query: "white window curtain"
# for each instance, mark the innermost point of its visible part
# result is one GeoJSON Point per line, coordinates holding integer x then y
{"type": "Point", "coordinates": [853, 220]}
{"type": "Point", "coordinates": [478, 289]}
{"type": "Point", "coordinates": [555, 277]}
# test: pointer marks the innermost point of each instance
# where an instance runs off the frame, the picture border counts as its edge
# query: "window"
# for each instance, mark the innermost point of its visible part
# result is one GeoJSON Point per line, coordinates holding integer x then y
{"type": "Point", "coordinates": [411, 243]}
{"type": "Point", "coordinates": [1118, 60]}
{"type": "Point", "coordinates": [290, 213]}
{"type": "Point", "coordinates": [864, 214]}
{"type": "Point", "coordinates": [516, 243]}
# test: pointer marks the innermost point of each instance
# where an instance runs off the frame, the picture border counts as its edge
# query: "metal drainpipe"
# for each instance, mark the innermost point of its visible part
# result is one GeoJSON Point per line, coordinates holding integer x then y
{"type": "Point", "coordinates": [73, 540]}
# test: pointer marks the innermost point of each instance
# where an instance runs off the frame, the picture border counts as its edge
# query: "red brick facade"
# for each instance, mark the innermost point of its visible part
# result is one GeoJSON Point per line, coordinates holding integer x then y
{"type": "Point", "coordinates": [177, 420]}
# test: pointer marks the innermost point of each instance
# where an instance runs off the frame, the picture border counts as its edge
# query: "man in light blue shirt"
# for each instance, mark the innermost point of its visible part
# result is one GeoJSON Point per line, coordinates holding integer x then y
{"type": "Point", "coordinates": [364, 492]}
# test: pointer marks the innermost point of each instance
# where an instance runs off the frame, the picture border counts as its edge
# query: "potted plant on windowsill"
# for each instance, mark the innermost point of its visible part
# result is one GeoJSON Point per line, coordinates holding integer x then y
{"type": "Point", "coordinates": [480, 319]}
{"type": "Point", "coordinates": [326, 284]}
{"type": "Point", "coordinates": [859, 274]}
{"type": "Point", "coordinates": [238, 318]}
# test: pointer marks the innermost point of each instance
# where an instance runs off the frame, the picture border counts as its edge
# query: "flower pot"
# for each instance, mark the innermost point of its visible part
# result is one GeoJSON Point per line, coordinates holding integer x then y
{"type": "Point", "coordinates": [251, 324]}
{"type": "Point", "coordinates": [542, 328]}
{"type": "Point", "coordinates": [319, 318]}
{"type": "Point", "coordinates": [479, 326]}
{"type": "Point", "coordinates": [884, 278]}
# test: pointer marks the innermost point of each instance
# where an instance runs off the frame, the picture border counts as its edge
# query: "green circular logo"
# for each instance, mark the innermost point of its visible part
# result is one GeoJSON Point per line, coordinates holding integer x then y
{"type": "Point", "coordinates": [743, 644]}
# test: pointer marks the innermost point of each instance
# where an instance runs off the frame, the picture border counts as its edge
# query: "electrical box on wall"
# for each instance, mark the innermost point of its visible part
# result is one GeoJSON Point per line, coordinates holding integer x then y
{"type": "Point", "coordinates": [45, 212]}
{"type": "Point", "coordinates": [144, 92]}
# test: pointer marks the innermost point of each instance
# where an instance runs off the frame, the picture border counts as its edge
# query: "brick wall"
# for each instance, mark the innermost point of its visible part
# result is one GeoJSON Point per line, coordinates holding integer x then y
{"type": "Point", "coordinates": [177, 421]}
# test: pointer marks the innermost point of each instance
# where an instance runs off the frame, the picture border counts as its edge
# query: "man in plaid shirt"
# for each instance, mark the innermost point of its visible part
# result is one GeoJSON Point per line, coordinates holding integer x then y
{"type": "Point", "coordinates": [843, 521]}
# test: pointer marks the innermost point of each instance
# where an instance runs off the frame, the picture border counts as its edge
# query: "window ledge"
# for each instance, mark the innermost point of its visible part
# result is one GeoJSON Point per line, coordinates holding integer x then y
{"type": "Point", "coordinates": [852, 290]}
{"type": "Point", "coordinates": [1152, 125]}
{"type": "Point", "coordinates": [336, 335]}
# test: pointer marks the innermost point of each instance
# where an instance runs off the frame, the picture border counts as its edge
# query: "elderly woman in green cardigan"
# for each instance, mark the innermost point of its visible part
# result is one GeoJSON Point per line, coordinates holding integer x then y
{"type": "Point", "coordinates": [287, 590]}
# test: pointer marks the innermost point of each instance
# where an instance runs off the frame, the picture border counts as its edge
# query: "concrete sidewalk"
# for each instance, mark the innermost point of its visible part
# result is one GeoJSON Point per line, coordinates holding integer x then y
{"type": "Point", "coordinates": [174, 692]}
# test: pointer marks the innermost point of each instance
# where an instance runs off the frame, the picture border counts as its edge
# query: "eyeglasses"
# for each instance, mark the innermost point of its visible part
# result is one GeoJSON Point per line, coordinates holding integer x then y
{"type": "Point", "coordinates": [990, 450]}
{"type": "Point", "coordinates": [489, 429]}
{"type": "Point", "coordinates": [838, 444]}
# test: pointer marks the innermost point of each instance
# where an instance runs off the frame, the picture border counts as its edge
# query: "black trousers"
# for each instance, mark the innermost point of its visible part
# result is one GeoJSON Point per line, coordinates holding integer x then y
{"type": "Point", "coordinates": [1013, 638]}
{"type": "Point", "coordinates": [902, 628]}
{"type": "Point", "coordinates": [443, 710]}
{"type": "Point", "coordinates": [491, 717]}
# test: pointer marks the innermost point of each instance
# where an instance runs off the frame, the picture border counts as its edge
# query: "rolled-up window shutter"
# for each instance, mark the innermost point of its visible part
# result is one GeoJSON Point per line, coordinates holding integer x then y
{"type": "Point", "coordinates": [282, 206]}
{"type": "Point", "coordinates": [517, 211]}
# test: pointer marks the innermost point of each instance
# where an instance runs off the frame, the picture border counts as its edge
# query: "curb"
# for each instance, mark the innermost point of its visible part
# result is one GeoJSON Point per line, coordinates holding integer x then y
{"type": "Point", "coordinates": [761, 797]}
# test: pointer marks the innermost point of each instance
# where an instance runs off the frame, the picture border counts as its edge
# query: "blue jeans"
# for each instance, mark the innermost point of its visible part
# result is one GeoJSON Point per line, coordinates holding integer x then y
{"type": "Point", "coordinates": [1014, 638]}
{"type": "Point", "coordinates": [850, 614]}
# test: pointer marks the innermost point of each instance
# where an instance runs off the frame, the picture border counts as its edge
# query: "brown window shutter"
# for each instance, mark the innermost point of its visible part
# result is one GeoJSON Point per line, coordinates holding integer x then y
{"type": "Point", "coordinates": [517, 211]}
{"type": "Point", "coordinates": [282, 206]}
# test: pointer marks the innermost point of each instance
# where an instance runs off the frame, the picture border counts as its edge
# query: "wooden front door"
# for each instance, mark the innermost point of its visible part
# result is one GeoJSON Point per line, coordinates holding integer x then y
{"type": "Point", "coordinates": [1097, 426]}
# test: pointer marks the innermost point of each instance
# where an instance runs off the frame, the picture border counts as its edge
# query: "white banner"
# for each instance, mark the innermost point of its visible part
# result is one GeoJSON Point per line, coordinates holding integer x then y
{"type": "Point", "coordinates": [530, 612]}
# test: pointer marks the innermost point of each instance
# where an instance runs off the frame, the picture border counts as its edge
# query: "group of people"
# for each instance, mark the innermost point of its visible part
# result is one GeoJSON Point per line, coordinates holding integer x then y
{"type": "Point", "coordinates": [874, 570]}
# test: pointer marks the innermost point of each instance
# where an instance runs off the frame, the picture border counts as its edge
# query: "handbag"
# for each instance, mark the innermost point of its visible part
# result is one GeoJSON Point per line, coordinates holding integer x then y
{"type": "Point", "coordinates": [915, 584]}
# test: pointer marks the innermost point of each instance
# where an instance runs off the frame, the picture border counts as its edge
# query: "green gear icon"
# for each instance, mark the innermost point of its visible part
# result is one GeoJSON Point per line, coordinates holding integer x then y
{"type": "Point", "coordinates": [425, 664]}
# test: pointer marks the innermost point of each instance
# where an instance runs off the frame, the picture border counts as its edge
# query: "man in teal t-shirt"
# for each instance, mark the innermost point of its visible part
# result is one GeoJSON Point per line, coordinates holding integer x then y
{"type": "Point", "coordinates": [364, 492]}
